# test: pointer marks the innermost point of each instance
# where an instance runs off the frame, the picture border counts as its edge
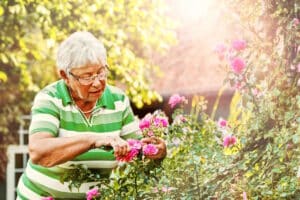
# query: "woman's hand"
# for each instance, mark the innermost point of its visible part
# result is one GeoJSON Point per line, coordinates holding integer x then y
{"type": "Point", "coordinates": [120, 146]}
{"type": "Point", "coordinates": [160, 145]}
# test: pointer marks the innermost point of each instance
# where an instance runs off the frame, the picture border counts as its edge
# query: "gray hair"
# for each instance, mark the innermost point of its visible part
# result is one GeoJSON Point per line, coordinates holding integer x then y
{"type": "Point", "coordinates": [79, 49]}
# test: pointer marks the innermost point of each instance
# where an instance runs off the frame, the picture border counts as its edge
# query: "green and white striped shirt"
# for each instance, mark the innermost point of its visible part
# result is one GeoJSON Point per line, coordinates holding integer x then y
{"type": "Point", "coordinates": [54, 111]}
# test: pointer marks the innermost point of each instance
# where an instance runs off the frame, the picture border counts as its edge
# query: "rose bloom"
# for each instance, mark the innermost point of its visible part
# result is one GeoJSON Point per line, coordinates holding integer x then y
{"type": "Point", "coordinates": [176, 99]}
{"type": "Point", "coordinates": [150, 133]}
{"type": "Point", "coordinates": [238, 65]}
{"type": "Point", "coordinates": [239, 45]}
{"type": "Point", "coordinates": [160, 121]}
{"type": "Point", "coordinates": [150, 150]}
{"type": "Point", "coordinates": [129, 157]}
{"type": "Point", "coordinates": [92, 193]}
{"type": "Point", "coordinates": [145, 122]}
{"type": "Point", "coordinates": [296, 22]}
{"type": "Point", "coordinates": [222, 123]}
{"type": "Point", "coordinates": [229, 140]}
{"type": "Point", "coordinates": [136, 144]}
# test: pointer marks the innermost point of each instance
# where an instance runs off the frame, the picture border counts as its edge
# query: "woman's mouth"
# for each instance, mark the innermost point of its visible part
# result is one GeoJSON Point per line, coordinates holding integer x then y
{"type": "Point", "coordinates": [95, 92]}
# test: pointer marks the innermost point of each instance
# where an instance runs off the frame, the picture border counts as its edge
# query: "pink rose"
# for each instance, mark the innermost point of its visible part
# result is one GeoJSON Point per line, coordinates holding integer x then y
{"type": "Point", "coordinates": [229, 140]}
{"type": "Point", "coordinates": [239, 45]}
{"type": "Point", "coordinates": [296, 22]}
{"type": "Point", "coordinates": [145, 122]}
{"type": "Point", "coordinates": [150, 150]}
{"type": "Point", "coordinates": [136, 144]}
{"type": "Point", "coordinates": [160, 121]}
{"type": "Point", "coordinates": [238, 65]}
{"type": "Point", "coordinates": [129, 157]}
{"type": "Point", "coordinates": [222, 123]}
{"type": "Point", "coordinates": [92, 193]}
{"type": "Point", "coordinates": [298, 67]}
{"type": "Point", "coordinates": [176, 99]}
{"type": "Point", "coordinates": [150, 133]}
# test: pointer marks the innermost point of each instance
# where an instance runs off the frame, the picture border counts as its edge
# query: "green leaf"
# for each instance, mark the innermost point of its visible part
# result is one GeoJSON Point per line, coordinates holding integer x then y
{"type": "Point", "coordinates": [3, 77]}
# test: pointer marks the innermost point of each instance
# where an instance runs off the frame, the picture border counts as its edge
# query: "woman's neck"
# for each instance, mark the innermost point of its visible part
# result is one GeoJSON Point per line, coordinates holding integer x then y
{"type": "Point", "coordinates": [84, 106]}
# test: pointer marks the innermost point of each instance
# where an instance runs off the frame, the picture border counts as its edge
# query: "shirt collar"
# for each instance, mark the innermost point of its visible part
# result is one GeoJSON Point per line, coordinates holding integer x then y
{"type": "Point", "coordinates": [106, 99]}
{"type": "Point", "coordinates": [64, 92]}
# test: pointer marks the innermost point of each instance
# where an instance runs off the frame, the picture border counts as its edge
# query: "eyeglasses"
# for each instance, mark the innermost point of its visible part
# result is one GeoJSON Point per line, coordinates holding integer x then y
{"type": "Point", "coordinates": [102, 75]}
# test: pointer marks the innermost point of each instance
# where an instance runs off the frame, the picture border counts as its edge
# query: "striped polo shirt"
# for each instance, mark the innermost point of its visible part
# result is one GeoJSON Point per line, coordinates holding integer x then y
{"type": "Point", "coordinates": [55, 112]}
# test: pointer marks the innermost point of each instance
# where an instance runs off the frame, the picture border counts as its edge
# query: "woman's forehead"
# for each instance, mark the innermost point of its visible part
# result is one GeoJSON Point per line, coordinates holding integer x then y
{"type": "Point", "coordinates": [90, 68]}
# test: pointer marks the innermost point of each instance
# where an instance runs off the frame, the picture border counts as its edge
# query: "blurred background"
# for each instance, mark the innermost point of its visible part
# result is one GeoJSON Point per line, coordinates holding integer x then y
{"type": "Point", "coordinates": [155, 49]}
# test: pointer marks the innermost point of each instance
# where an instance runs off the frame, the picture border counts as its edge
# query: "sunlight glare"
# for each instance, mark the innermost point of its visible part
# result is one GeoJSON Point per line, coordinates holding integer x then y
{"type": "Point", "coordinates": [193, 10]}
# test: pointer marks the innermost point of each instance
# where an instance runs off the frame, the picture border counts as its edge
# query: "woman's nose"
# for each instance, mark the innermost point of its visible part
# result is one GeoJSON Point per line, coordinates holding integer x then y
{"type": "Point", "coordinates": [97, 82]}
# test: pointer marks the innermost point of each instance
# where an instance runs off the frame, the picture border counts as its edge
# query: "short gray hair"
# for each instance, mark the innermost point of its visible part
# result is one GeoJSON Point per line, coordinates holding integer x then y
{"type": "Point", "coordinates": [79, 49]}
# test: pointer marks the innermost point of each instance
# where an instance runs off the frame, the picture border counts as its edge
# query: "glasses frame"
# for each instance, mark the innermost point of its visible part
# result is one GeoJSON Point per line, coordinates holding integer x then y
{"type": "Point", "coordinates": [89, 80]}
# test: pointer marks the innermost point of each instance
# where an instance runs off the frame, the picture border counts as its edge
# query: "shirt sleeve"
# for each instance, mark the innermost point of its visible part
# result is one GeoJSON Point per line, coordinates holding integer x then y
{"type": "Point", "coordinates": [45, 115]}
{"type": "Point", "coordinates": [130, 124]}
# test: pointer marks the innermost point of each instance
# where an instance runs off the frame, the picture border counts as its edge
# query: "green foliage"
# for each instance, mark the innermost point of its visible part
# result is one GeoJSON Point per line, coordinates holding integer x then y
{"type": "Point", "coordinates": [134, 180]}
{"type": "Point", "coordinates": [31, 30]}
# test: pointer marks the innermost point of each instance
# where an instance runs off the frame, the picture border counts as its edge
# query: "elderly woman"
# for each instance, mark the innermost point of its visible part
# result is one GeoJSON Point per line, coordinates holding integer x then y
{"type": "Point", "coordinates": [73, 118]}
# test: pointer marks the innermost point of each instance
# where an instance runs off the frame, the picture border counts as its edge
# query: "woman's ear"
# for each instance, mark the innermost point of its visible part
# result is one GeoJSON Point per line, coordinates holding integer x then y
{"type": "Point", "coordinates": [63, 75]}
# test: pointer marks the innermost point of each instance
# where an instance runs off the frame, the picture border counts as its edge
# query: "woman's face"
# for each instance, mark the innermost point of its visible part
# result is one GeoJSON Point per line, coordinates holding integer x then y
{"type": "Point", "coordinates": [85, 84]}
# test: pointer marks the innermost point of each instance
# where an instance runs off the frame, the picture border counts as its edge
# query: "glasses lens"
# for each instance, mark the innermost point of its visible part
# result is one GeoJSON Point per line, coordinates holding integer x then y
{"type": "Point", "coordinates": [85, 81]}
{"type": "Point", "coordinates": [89, 80]}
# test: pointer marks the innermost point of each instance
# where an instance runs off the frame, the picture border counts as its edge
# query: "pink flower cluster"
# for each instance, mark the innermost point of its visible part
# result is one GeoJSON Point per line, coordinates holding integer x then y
{"type": "Point", "coordinates": [237, 64]}
{"type": "Point", "coordinates": [176, 99]}
{"type": "Point", "coordinates": [150, 124]}
{"type": "Point", "coordinates": [160, 121]}
{"type": "Point", "coordinates": [145, 122]}
{"type": "Point", "coordinates": [229, 141]}
{"type": "Point", "coordinates": [239, 45]}
{"type": "Point", "coordinates": [135, 146]}
{"type": "Point", "coordinates": [93, 193]}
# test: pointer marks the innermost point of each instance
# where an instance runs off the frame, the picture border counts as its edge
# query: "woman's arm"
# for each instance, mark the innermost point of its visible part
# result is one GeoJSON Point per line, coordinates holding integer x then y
{"type": "Point", "coordinates": [48, 151]}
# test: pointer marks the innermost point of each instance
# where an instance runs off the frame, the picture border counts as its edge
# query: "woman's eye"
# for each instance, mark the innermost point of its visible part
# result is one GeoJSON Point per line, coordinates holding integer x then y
{"type": "Point", "coordinates": [86, 78]}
